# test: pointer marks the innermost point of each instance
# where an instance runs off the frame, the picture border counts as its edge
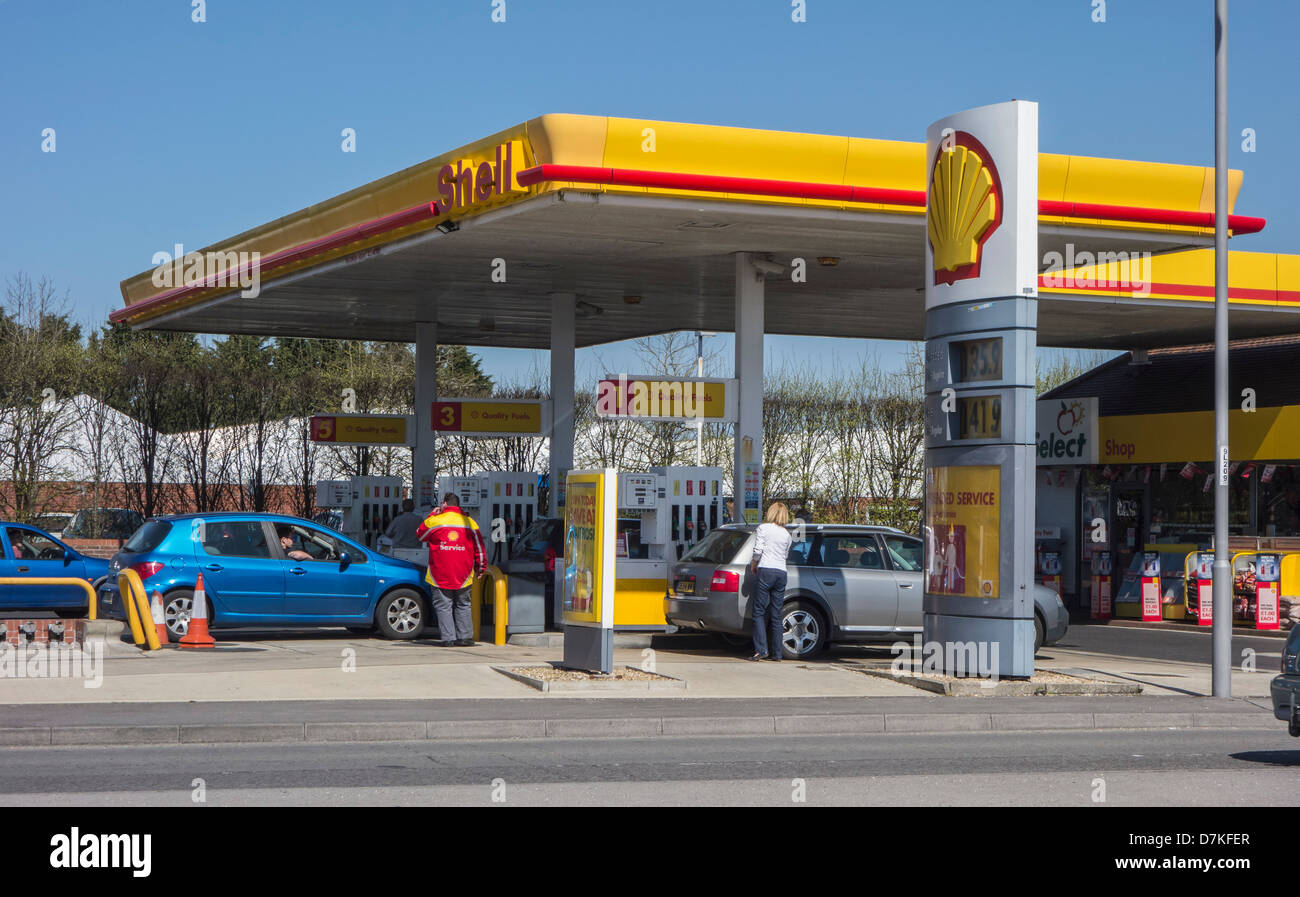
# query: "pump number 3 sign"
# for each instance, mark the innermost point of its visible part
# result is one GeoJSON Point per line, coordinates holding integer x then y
{"type": "Point", "coordinates": [963, 515]}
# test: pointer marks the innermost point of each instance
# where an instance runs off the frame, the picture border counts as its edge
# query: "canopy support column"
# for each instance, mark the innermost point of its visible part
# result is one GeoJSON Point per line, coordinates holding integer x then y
{"type": "Point", "coordinates": [424, 465]}
{"type": "Point", "coordinates": [563, 343]}
{"type": "Point", "coordinates": [747, 471]}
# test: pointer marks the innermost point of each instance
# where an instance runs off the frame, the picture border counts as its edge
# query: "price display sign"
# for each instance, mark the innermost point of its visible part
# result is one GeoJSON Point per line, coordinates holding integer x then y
{"type": "Point", "coordinates": [979, 417]}
{"type": "Point", "coordinates": [979, 359]}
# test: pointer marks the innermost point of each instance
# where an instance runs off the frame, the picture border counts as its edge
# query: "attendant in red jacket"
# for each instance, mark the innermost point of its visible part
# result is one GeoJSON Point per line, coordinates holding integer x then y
{"type": "Point", "coordinates": [456, 556]}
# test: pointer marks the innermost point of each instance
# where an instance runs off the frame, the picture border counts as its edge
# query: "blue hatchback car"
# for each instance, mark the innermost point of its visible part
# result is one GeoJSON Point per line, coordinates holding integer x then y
{"type": "Point", "coordinates": [271, 570]}
{"type": "Point", "coordinates": [28, 551]}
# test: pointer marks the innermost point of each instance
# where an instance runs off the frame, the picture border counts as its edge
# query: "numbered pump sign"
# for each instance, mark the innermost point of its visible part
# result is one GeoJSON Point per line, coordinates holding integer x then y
{"type": "Point", "coordinates": [981, 293]}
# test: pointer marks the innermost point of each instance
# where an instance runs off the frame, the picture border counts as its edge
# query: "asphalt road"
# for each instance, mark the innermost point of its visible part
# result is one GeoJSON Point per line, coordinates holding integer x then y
{"type": "Point", "coordinates": [1247, 768]}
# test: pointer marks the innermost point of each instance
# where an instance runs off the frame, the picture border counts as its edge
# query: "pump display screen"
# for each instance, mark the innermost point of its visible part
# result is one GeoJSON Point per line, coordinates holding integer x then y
{"type": "Point", "coordinates": [979, 359]}
{"type": "Point", "coordinates": [979, 417]}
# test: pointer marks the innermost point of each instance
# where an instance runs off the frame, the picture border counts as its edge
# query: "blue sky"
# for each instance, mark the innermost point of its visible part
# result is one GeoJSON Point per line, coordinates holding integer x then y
{"type": "Point", "coordinates": [169, 130]}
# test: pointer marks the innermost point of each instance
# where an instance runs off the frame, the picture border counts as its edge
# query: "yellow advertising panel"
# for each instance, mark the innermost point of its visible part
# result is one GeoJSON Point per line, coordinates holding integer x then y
{"type": "Point", "coordinates": [963, 519]}
{"type": "Point", "coordinates": [650, 398]}
{"type": "Point", "coordinates": [588, 573]}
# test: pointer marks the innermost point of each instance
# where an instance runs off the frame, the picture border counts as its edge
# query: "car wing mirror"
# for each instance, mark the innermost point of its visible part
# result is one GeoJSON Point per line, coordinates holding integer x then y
{"type": "Point", "coordinates": [68, 556]}
{"type": "Point", "coordinates": [344, 560]}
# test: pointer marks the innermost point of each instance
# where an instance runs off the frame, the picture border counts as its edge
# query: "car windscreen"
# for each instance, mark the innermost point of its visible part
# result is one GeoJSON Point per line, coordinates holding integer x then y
{"type": "Point", "coordinates": [148, 537]}
{"type": "Point", "coordinates": [718, 547]}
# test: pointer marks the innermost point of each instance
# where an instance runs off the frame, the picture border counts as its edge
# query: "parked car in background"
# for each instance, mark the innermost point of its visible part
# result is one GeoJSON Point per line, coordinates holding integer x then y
{"type": "Point", "coordinates": [1285, 688]}
{"type": "Point", "coordinates": [324, 579]}
{"type": "Point", "coordinates": [28, 552]}
{"type": "Point", "coordinates": [844, 584]}
{"type": "Point", "coordinates": [52, 523]}
{"type": "Point", "coordinates": [103, 523]}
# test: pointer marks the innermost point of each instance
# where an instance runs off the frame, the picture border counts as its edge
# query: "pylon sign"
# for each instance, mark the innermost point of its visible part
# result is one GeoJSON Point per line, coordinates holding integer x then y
{"type": "Point", "coordinates": [981, 300]}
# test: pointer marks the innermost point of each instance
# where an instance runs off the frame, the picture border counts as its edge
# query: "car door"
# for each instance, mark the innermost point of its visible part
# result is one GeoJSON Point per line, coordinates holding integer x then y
{"type": "Point", "coordinates": [906, 556]}
{"type": "Point", "coordinates": [34, 555]}
{"type": "Point", "coordinates": [859, 587]}
{"type": "Point", "coordinates": [317, 585]}
{"type": "Point", "coordinates": [241, 574]}
{"type": "Point", "coordinates": [7, 568]}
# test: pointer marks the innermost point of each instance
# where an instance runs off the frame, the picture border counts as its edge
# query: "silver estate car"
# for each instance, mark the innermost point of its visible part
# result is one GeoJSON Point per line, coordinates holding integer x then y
{"type": "Point", "coordinates": [844, 584]}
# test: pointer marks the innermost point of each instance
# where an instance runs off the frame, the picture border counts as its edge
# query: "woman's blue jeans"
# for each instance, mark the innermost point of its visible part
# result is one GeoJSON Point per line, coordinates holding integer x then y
{"type": "Point", "coordinates": [769, 595]}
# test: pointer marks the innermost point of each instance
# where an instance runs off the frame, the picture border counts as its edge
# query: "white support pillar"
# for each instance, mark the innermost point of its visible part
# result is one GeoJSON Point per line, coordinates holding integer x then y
{"type": "Point", "coordinates": [424, 467]}
{"type": "Point", "coordinates": [747, 471]}
{"type": "Point", "coordinates": [563, 342]}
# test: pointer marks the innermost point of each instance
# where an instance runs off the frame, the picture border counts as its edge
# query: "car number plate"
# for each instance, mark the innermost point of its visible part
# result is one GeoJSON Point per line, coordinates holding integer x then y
{"type": "Point", "coordinates": [685, 587]}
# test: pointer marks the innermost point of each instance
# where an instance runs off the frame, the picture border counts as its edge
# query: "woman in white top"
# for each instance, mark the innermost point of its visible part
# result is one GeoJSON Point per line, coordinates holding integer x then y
{"type": "Point", "coordinates": [771, 548]}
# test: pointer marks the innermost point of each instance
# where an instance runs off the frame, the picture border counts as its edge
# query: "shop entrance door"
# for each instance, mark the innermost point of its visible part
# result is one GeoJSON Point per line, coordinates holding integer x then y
{"type": "Point", "coordinates": [1129, 533]}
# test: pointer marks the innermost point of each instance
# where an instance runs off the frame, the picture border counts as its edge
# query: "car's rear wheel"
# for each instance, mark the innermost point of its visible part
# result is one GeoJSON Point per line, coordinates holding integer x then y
{"type": "Point", "coordinates": [803, 630]}
{"type": "Point", "coordinates": [1039, 633]}
{"type": "Point", "coordinates": [400, 615]}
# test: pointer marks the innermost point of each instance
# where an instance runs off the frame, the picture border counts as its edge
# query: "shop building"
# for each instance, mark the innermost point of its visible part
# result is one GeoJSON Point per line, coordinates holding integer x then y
{"type": "Point", "coordinates": [1128, 445]}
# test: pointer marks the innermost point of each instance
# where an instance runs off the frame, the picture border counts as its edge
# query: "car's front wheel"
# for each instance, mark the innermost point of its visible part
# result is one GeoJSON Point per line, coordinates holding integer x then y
{"type": "Point", "coordinates": [1039, 633]}
{"type": "Point", "coordinates": [400, 615]}
{"type": "Point", "coordinates": [803, 631]}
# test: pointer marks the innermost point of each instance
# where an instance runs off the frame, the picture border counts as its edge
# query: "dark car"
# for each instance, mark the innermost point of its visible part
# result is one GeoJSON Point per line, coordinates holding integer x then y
{"type": "Point", "coordinates": [103, 523]}
{"type": "Point", "coordinates": [322, 578]}
{"type": "Point", "coordinates": [1286, 687]}
{"type": "Point", "coordinates": [845, 583]}
{"type": "Point", "coordinates": [27, 551]}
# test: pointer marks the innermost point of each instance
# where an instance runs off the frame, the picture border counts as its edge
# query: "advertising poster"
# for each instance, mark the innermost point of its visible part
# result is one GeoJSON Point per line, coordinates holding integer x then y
{"type": "Point", "coordinates": [1151, 586]}
{"type": "Point", "coordinates": [582, 550]}
{"type": "Point", "coordinates": [963, 516]}
{"type": "Point", "coordinates": [1205, 588]}
{"type": "Point", "coordinates": [1267, 582]}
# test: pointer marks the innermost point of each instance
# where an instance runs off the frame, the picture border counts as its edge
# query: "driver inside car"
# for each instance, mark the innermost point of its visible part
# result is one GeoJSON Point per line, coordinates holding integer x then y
{"type": "Point", "coordinates": [286, 542]}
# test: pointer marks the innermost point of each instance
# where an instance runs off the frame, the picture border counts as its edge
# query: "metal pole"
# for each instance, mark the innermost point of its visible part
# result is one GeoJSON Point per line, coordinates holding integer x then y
{"type": "Point", "coordinates": [1222, 635]}
{"type": "Point", "coordinates": [699, 422]}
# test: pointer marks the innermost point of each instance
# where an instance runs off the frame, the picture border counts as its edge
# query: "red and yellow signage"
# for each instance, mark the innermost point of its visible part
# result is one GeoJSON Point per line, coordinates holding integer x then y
{"type": "Point", "coordinates": [1263, 434]}
{"type": "Point", "coordinates": [490, 417]}
{"type": "Point", "coordinates": [481, 177]}
{"type": "Point", "coordinates": [359, 429]}
{"type": "Point", "coordinates": [963, 516]}
{"type": "Point", "coordinates": [662, 399]}
{"type": "Point", "coordinates": [965, 207]}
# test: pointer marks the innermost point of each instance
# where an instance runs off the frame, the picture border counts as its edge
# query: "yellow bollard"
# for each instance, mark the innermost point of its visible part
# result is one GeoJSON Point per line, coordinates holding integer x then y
{"type": "Point", "coordinates": [131, 588]}
{"type": "Point", "coordinates": [500, 605]}
{"type": "Point", "coordinates": [55, 581]}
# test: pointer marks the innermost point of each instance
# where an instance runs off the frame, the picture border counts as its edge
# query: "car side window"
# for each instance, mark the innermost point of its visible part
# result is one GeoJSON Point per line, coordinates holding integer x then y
{"type": "Point", "coordinates": [904, 553]}
{"type": "Point", "coordinates": [859, 552]}
{"type": "Point", "coordinates": [235, 538]}
{"type": "Point", "coordinates": [30, 546]}
{"type": "Point", "coordinates": [802, 553]}
{"type": "Point", "coordinates": [319, 545]}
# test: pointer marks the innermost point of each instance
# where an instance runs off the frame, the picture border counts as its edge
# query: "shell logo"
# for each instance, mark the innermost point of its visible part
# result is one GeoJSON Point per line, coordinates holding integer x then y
{"type": "Point", "coordinates": [453, 536]}
{"type": "Point", "coordinates": [964, 208]}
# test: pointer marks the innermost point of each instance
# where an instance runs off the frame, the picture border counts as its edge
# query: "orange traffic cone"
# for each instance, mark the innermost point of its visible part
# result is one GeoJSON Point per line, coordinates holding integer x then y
{"type": "Point", "coordinates": [159, 620]}
{"type": "Point", "coordinates": [196, 636]}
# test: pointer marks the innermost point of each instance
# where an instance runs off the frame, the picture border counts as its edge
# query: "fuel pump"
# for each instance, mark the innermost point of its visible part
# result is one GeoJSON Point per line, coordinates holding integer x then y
{"type": "Point", "coordinates": [677, 507]}
{"type": "Point", "coordinates": [368, 505]}
{"type": "Point", "coordinates": [509, 497]}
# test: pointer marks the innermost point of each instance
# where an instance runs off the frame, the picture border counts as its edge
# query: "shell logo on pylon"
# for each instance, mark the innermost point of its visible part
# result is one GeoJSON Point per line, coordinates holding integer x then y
{"type": "Point", "coordinates": [964, 208]}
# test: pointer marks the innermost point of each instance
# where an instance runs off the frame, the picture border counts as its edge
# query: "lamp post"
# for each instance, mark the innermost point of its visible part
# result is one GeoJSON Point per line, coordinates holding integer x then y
{"type": "Point", "coordinates": [1222, 589]}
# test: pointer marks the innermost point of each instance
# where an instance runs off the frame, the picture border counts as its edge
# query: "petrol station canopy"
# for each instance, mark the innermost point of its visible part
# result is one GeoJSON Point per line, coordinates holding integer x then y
{"type": "Point", "coordinates": [641, 219]}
